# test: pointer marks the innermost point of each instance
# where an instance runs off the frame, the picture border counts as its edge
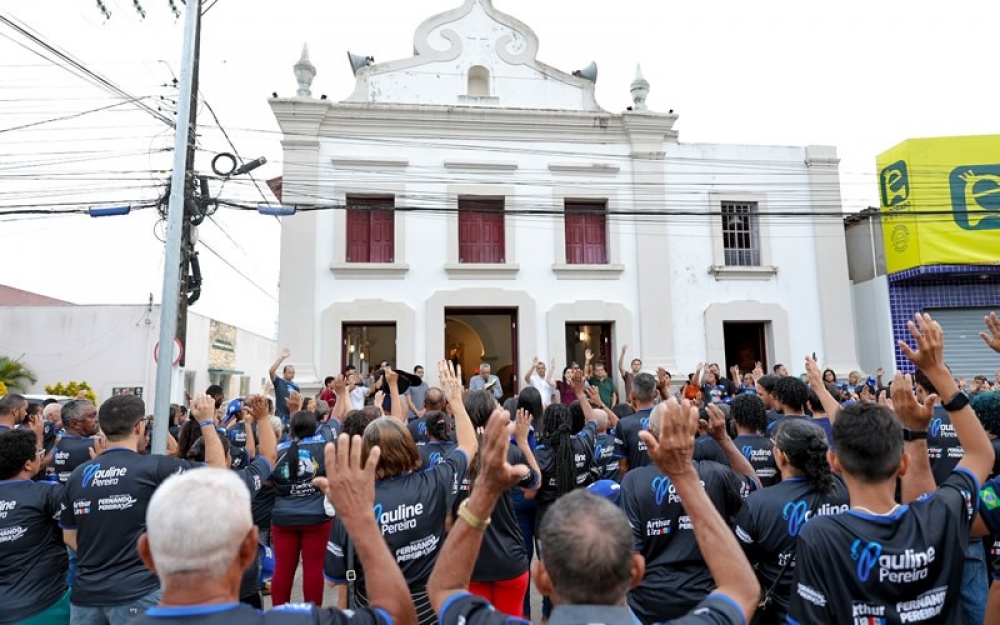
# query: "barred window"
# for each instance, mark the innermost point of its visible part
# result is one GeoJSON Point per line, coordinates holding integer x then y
{"type": "Point", "coordinates": [741, 234]}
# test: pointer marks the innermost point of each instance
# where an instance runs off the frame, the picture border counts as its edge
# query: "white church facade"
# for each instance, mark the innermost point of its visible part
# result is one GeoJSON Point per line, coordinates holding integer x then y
{"type": "Point", "coordinates": [474, 203]}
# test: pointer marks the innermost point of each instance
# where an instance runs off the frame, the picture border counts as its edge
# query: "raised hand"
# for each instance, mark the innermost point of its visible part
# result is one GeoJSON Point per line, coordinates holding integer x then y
{"type": "Point", "coordinates": [522, 427]}
{"type": "Point", "coordinates": [496, 475]}
{"type": "Point", "coordinates": [203, 408]}
{"type": "Point", "coordinates": [674, 450]}
{"type": "Point", "coordinates": [285, 353]}
{"type": "Point", "coordinates": [716, 426]}
{"type": "Point", "coordinates": [993, 338]}
{"type": "Point", "coordinates": [294, 402]}
{"type": "Point", "coordinates": [911, 412]}
{"type": "Point", "coordinates": [593, 396]}
{"type": "Point", "coordinates": [349, 486]}
{"type": "Point", "coordinates": [379, 398]}
{"type": "Point", "coordinates": [339, 385]}
{"type": "Point", "coordinates": [391, 378]}
{"type": "Point", "coordinates": [588, 355]}
{"type": "Point", "coordinates": [577, 381]}
{"type": "Point", "coordinates": [814, 375]}
{"type": "Point", "coordinates": [451, 380]}
{"type": "Point", "coordinates": [100, 446]}
{"type": "Point", "coordinates": [930, 343]}
{"type": "Point", "coordinates": [258, 408]}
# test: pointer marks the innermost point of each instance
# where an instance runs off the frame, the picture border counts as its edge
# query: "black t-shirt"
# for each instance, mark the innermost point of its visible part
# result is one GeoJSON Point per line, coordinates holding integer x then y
{"type": "Point", "coordinates": [632, 447]}
{"type": "Point", "coordinates": [410, 510]}
{"type": "Point", "coordinates": [33, 558]}
{"type": "Point", "coordinates": [242, 614]}
{"type": "Point", "coordinates": [433, 452]}
{"type": "Point", "coordinates": [297, 501]}
{"type": "Point", "coordinates": [418, 430]}
{"type": "Point", "coordinates": [105, 501]}
{"type": "Point", "coordinates": [757, 449]}
{"type": "Point", "coordinates": [464, 608]}
{"type": "Point", "coordinates": [254, 477]}
{"type": "Point", "coordinates": [330, 430]}
{"type": "Point", "coordinates": [583, 446]}
{"type": "Point", "coordinates": [899, 568]}
{"type": "Point", "coordinates": [71, 452]}
{"type": "Point", "coordinates": [707, 448]}
{"type": "Point", "coordinates": [677, 578]}
{"type": "Point", "coordinates": [769, 523]}
{"type": "Point", "coordinates": [822, 422]}
{"type": "Point", "coordinates": [502, 555]}
{"type": "Point", "coordinates": [606, 455]}
{"type": "Point", "coordinates": [943, 448]}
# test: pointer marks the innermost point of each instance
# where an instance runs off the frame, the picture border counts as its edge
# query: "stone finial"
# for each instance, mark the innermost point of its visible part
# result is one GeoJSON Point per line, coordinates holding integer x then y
{"type": "Point", "coordinates": [305, 71]}
{"type": "Point", "coordinates": [639, 90]}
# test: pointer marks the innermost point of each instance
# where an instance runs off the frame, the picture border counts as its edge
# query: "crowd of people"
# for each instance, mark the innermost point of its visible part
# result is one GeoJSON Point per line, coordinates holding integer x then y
{"type": "Point", "coordinates": [766, 498]}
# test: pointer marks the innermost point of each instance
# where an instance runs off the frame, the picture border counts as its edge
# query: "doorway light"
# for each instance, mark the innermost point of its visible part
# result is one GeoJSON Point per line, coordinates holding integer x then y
{"type": "Point", "coordinates": [583, 336]}
{"type": "Point", "coordinates": [350, 348]}
{"type": "Point", "coordinates": [362, 355]}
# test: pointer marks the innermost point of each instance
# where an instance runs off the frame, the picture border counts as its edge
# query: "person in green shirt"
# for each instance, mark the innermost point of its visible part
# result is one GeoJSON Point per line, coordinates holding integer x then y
{"type": "Point", "coordinates": [604, 384]}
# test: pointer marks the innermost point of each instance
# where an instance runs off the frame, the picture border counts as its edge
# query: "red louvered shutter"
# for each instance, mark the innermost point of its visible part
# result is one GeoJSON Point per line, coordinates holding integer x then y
{"type": "Point", "coordinates": [481, 237]}
{"type": "Point", "coordinates": [383, 233]}
{"type": "Point", "coordinates": [358, 235]}
{"type": "Point", "coordinates": [586, 233]}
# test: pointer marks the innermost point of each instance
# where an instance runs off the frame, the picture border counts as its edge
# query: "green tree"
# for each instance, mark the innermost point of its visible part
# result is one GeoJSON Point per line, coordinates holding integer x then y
{"type": "Point", "coordinates": [15, 375]}
{"type": "Point", "coordinates": [74, 389]}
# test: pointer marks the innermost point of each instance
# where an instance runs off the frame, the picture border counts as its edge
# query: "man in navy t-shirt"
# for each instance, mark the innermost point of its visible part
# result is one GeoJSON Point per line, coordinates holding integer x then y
{"type": "Point", "coordinates": [631, 448]}
{"type": "Point", "coordinates": [589, 563]}
{"type": "Point", "coordinates": [883, 561]}
{"type": "Point", "coordinates": [104, 512]}
{"type": "Point", "coordinates": [73, 449]}
{"type": "Point", "coordinates": [32, 555]}
{"type": "Point", "coordinates": [200, 575]}
{"type": "Point", "coordinates": [283, 385]}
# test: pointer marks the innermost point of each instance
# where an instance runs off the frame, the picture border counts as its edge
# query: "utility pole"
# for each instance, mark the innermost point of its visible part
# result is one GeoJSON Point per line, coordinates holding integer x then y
{"type": "Point", "coordinates": [169, 303]}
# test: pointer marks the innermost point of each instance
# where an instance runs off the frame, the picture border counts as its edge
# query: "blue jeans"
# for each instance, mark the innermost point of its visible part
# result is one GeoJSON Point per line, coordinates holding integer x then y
{"type": "Point", "coordinates": [71, 572]}
{"type": "Point", "coordinates": [975, 584]}
{"type": "Point", "coordinates": [525, 510]}
{"type": "Point", "coordinates": [113, 614]}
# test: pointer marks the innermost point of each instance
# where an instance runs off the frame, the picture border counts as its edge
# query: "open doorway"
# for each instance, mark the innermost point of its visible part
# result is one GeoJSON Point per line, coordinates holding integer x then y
{"type": "Point", "coordinates": [473, 336]}
{"type": "Point", "coordinates": [367, 344]}
{"type": "Point", "coordinates": [746, 345]}
{"type": "Point", "coordinates": [594, 336]}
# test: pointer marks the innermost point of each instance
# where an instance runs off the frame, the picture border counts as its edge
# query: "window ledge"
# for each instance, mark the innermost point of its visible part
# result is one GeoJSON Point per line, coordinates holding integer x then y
{"type": "Point", "coordinates": [734, 272]}
{"type": "Point", "coordinates": [369, 270]}
{"type": "Point", "coordinates": [482, 271]}
{"type": "Point", "coordinates": [587, 272]}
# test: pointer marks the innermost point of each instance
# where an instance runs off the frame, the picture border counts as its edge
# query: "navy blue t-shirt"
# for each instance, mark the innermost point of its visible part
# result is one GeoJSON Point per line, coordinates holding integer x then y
{"type": "Point", "coordinates": [242, 614]}
{"type": "Point", "coordinates": [768, 527]}
{"type": "Point", "coordinates": [545, 456]}
{"type": "Point", "coordinates": [410, 510]}
{"type": "Point", "coordinates": [898, 568]}
{"type": "Point", "coordinates": [758, 450]}
{"type": "Point", "coordinates": [433, 452]}
{"type": "Point", "coordinates": [632, 448]}
{"type": "Point", "coordinates": [943, 447]}
{"type": "Point", "coordinates": [607, 456]}
{"type": "Point", "coordinates": [297, 501]}
{"type": "Point", "coordinates": [282, 389]}
{"type": "Point", "coordinates": [677, 578]}
{"type": "Point", "coordinates": [105, 501]}
{"type": "Point", "coordinates": [70, 452]}
{"type": "Point", "coordinates": [33, 558]}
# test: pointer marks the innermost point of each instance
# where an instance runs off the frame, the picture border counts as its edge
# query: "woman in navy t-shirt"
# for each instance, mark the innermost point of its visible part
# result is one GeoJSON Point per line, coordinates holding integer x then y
{"type": "Point", "coordinates": [300, 524]}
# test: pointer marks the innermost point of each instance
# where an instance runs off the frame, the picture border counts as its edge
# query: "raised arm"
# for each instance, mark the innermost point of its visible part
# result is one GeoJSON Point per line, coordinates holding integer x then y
{"type": "Point", "coordinates": [268, 444]}
{"type": "Point", "coordinates": [203, 410]}
{"type": "Point", "coordinates": [273, 371]}
{"type": "Point", "coordinates": [451, 383]}
{"type": "Point", "coordinates": [521, 429]}
{"type": "Point", "coordinates": [929, 358]}
{"type": "Point", "coordinates": [716, 428]}
{"type": "Point", "coordinates": [534, 366]}
{"type": "Point", "coordinates": [343, 403]}
{"type": "Point", "coordinates": [587, 357]}
{"type": "Point", "coordinates": [672, 453]}
{"type": "Point", "coordinates": [916, 417]}
{"type": "Point", "coordinates": [396, 406]}
{"type": "Point", "coordinates": [621, 361]}
{"type": "Point", "coordinates": [453, 569]}
{"type": "Point", "coordinates": [830, 405]}
{"type": "Point", "coordinates": [350, 487]}
{"type": "Point", "coordinates": [581, 394]}
{"type": "Point", "coordinates": [251, 442]}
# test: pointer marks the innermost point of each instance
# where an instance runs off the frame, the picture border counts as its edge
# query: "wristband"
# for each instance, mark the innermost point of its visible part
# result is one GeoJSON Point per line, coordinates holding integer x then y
{"type": "Point", "coordinates": [474, 522]}
{"type": "Point", "coordinates": [957, 402]}
{"type": "Point", "coordinates": [914, 435]}
{"type": "Point", "coordinates": [202, 424]}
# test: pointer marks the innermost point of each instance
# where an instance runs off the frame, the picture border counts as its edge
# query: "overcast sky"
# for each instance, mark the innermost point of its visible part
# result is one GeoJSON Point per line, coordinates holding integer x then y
{"type": "Point", "coordinates": [859, 75]}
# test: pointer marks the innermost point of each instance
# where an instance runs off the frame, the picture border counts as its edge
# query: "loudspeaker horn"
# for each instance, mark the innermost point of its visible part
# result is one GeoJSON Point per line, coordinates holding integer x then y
{"type": "Point", "coordinates": [358, 61]}
{"type": "Point", "coordinates": [588, 73]}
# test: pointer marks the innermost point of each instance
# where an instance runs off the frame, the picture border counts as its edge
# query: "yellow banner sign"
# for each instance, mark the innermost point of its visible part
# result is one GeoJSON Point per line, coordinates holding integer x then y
{"type": "Point", "coordinates": [941, 202]}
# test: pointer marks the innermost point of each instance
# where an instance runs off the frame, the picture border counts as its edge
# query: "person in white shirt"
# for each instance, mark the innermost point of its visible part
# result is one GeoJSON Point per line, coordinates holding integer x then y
{"type": "Point", "coordinates": [541, 379]}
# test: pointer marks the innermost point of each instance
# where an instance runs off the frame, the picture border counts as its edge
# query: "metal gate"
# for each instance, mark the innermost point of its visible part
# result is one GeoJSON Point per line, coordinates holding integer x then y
{"type": "Point", "coordinates": [964, 351]}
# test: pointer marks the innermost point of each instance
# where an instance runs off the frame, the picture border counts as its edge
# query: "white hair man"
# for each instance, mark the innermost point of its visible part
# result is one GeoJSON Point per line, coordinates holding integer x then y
{"type": "Point", "coordinates": [486, 381]}
{"type": "Point", "coordinates": [200, 537]}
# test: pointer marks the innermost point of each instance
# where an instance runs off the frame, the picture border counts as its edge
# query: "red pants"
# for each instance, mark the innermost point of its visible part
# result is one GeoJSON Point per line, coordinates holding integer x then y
{"type": "Point", "coordinates": [291, 541]}
{"type": "Point", "coordinates": [507, 596]}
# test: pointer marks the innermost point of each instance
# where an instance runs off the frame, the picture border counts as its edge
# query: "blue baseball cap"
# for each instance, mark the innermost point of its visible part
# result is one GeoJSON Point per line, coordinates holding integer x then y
{"type": "Point", "coordinates": [233, 409]}
{"type": "Point", "coordinates": [608, 489]}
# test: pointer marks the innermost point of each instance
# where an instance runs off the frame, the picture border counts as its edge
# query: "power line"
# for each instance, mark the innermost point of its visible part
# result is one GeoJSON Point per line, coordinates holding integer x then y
{"type": "Point", "coordinates": [269, 294]}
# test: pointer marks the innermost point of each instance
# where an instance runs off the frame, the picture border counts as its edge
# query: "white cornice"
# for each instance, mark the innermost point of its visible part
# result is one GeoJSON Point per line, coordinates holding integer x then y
{"type": "Point", "coordinates": [481, 165]}
{"type": "Point", "coordinates": [369, 162]}
{"type": "Point", "coordinates": [584, 168]}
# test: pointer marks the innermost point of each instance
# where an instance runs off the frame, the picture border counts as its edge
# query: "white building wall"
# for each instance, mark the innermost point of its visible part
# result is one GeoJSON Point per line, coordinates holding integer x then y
{"type": "Point", "coordinates": [876, 345]}
{"type": "Point", "coordinates": [112, 346]}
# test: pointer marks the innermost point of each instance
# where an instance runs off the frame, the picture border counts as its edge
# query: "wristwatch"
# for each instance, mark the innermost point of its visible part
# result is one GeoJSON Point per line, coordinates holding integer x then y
{"type": "Point", "coordinates": [914, 435]}
{"type": "Point", "coordinates": [958, 401]}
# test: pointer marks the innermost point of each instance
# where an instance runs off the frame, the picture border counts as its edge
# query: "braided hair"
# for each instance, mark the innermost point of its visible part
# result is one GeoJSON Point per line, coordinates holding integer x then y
{"type": "Point", "coordinates": [303, 424]}
{"type": "Point", "coordinates": [805, 444]}
{"type": "Point", "coordinates": [437, 425]}
{"type": "Point", "coordinates": [556, 433]}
